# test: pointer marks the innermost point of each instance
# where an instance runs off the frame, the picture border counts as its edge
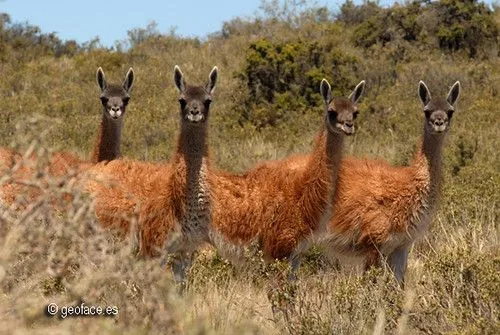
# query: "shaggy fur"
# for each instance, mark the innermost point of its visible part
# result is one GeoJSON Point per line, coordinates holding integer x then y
{"type": "Point", "coordinates": [380, 209]}
{"type": "Point", "coordinates": [26, 178]}
{"type": "Point", "coordinates": [120, 187]}
{"type": "Point", "coordinates": [114, 98]}
{"type": "Point", "coordinates": [277, 214]}
{"type": "Point", "coordinates": [183, 203]}
{"type": "Point", "coordinates": [280, 208]}
{"type": "Point", "coordinates": [170, 201]}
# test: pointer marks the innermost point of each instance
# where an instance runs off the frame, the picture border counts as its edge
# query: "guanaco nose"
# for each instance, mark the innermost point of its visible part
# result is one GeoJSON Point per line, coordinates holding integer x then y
{"type": "Point", "coordinates": [115, 108]}
{"type": "Point", "coordinates": [195, 111]}
{"type": "Point", "coordinates": [438, 122]}
{"type": "Point", "coordinates": [349, 124]}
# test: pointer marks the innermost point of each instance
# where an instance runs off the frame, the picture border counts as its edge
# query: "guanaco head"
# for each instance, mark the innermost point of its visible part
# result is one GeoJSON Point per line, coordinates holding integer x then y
{"type": "Point", "coordinates": [438, 111]}
{"type": "Point", "coordinates": [115, 98]}
{"type": "Point", "coordinates": [341, 112]}
{"type": "Point", "coordinates": [195, 100]}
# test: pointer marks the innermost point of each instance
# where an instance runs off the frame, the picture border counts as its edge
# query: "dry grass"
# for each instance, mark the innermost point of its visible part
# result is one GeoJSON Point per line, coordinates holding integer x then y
{"type": "Point", "coordinates": [60, 253]}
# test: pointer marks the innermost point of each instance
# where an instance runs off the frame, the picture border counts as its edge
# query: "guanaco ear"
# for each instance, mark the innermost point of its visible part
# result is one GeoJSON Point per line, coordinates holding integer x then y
{"type": "Point", "coordinates": [212, 80]}
{"type": "Point", "coordinates": [101, 81]}
{"type": "Point", "coordinates": [129, 80]}
{"type": "Point", "coordinates": [326, 91]}
{"type": "Point", "coordinates": [424, 93]}
{"type": "Point", "coordinates": [358, 92]}
{"type": "Point", "coordinates": [179, 79]}
{"type": "Point", "coordinates": [454, 93]}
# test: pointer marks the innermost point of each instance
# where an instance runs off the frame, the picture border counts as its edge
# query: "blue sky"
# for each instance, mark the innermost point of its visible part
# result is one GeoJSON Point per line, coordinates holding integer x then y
{"type": "Point", "coordinates": [83, 20]}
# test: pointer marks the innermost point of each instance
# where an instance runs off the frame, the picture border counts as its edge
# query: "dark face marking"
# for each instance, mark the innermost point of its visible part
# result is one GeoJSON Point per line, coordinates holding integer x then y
{"type": "Point", "coordinates": [195, 100]}
{"type": "Point", "coordinates": [438, 113]}
{"type": "Point", "coordinates": [195, 104]}
{"type": "Point", "coordinates": [114, 100]}
{"type": "Point", "coordinates": [341, 113]}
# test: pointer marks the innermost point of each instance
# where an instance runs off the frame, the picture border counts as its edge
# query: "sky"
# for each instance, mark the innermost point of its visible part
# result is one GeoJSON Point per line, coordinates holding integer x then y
{"type": "Point", "coordinates": [83, 20]}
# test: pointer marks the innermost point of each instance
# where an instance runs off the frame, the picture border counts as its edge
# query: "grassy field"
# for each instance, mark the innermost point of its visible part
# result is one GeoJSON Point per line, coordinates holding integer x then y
{"type": "Point", "coordinates": [50, 98]}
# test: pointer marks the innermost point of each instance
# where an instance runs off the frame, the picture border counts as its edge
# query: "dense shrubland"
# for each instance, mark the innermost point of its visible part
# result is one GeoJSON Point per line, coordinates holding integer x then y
{"type": "Point", "coordinates": [266, 106]}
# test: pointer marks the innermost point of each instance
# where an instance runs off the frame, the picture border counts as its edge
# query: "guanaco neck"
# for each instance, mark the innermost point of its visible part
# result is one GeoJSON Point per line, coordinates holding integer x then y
{"type": "Point", "coordinates": [431, 149]}
{"type": "Point", "coordinates": [191, 159]}
{"type": "Point", "coordinates": [107, 146]}
{"type": "Point", "coordinates": [320, 177]}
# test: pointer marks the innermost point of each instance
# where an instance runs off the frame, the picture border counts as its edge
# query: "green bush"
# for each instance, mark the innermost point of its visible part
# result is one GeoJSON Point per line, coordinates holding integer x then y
{"type": "Point", "coordinates": [466, 25]}
{"type": "Point", "coordinates": [457, 25]}
{"type": "Point", "coordinates": [284, 78]}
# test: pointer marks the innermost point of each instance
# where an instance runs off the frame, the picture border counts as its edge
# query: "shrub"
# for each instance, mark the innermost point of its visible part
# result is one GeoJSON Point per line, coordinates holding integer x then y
{"type": "Point", "coordinates": [466, 25]}
{"type": "Point", "coordinates": [284, 78]}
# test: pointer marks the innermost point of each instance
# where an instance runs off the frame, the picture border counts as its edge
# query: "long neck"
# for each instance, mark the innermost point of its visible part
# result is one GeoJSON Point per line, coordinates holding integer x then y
{"type": "Point", "coordinates": [191, 159]}
{"type": "Point", "coordinates": [192, 146]}
{"type": "Point", "coordinates": [107, 146]}
{"type": "Point", "coordinates": [320, 177]}
{"type": "Point", "coordinates": [431, 149]}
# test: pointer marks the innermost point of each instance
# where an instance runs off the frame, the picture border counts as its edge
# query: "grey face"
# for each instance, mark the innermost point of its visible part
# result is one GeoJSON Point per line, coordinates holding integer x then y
{"type": "Point", "coordinates": [195, 100]}
{"type": "Point", "coordinates": [195, 104]}
{"type": "Point", "coordinates": [341, 112]}
{"type": "Point", "coordinates": [438, 112]}
{"type": "Point", "coordinates": [438, 116]}
{"type": "Point", "coordinates": [114, 100]}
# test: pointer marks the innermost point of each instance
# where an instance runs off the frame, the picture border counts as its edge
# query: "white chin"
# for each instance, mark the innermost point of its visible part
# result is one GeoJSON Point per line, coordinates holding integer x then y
{"type": "Point", "coordinates": [195, 118]}
{"type": "Point", "coordinates": [440, 129]}
{"type": "Point", "coordinates": [338, 127]}
{"type": "Point", "coordinates": [348, 131]}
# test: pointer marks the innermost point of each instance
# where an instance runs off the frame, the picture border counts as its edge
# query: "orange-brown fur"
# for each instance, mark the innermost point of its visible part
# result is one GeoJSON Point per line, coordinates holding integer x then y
{"type": "Point", "coordinates": [277, 205]}
{"type": "Point", "coordinates": [24, 170]}
{"type": "Point", "coordinates": [375, 202]}
{"type": "Point", "coordinates": [272, 205]}
{"type": "Point", "coordinates": [380, 209]}
{"type": "Point", "coordinates": [159, 195]}
{"type": "Point", "coordinates": [62, 164]}
{"type": "Point", "coordinates": [121, 188]}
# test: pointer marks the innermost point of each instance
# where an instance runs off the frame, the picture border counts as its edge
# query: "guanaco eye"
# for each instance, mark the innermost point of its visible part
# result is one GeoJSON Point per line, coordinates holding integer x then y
{"type": "Point", "coordinates": [104, 100]}
{"type": "Point", "coordinates": [450, 113]}
{"type": "Point", "coordinates": [332, 116]}
{"type": "Point", "coordinates": [207, 102]}
{"type": "Point", "coordinates": [182, 102]}
{"type": "Point", "coordinates": [126, 100]}
{"type": "Point", "coordinates": [428, 113]}
{"type": "Point", "coordinates": [355, 115]}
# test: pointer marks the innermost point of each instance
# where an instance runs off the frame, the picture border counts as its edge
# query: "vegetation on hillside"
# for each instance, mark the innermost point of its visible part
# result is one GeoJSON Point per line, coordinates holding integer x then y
{"type": "Point", "coordinates": [266, 106]}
